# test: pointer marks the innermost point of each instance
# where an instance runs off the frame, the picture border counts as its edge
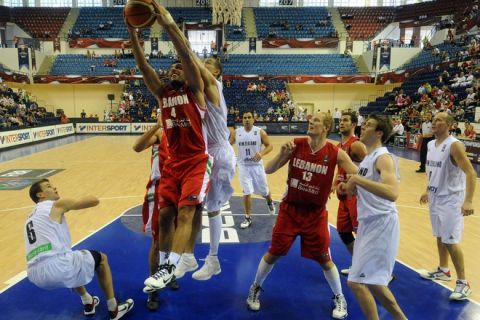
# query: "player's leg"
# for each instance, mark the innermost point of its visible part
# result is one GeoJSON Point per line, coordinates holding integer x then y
{"type": "Point", "coordinates": [283, 235]}
{"type": "Point", "coordinates": [116, 310]}
{"type": "Point", "coordinates": [188, 262]}
{"type": "Point", "coordinates": [211, 266]}
{"type": "Point", "coordinates": [387, 300]}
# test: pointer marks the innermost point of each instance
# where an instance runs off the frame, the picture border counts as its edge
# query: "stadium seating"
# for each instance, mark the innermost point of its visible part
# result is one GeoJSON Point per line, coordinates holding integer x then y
{"type": "Point", "coordinates": [365, 23]}
{"type": "Point", "coordinates": [425, 57]}
{"type": "Point", "coordinates": [89, 19]}
{"type": "Point", "coordinates": [268, 20]}
{"type": "Point", "coordinates": [40, 22]}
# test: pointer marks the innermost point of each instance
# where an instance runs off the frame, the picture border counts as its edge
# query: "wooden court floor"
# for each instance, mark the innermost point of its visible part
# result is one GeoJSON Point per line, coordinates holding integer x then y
{"type": "Point", "coordinates": [107, 167]}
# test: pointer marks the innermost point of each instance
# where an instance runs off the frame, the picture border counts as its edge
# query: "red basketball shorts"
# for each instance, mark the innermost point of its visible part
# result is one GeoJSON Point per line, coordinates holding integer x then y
{"type": "Point", "coordinates": [185, 182]}
{"type": "Point", "coordinates": [310, 225]}
{"type": "Point", "coordinates": [347, 214]}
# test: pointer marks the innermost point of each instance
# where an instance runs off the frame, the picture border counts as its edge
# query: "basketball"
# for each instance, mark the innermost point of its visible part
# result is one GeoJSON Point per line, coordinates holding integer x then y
{"type": "Point", "coordinates": [139, 13]}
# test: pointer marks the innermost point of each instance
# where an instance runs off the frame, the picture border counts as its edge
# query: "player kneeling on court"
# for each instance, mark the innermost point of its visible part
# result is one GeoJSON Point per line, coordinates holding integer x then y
{"type": "Point", "coordinates": [51, 262]}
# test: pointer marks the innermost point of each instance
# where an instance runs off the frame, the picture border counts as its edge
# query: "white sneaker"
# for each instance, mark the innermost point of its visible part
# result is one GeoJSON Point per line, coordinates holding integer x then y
{"type": "Point", "coordinates": [436, 275]}
{"type": "Point", "coordinates": [159, 280]}
{"type": "Point", "coordinates": [122, 309]}
{"type": "Point", "coordinates": [271, 208]}
{"type": "Point", "coordinates": [340, 309]}
{"type": "Point", "coordinates": [246, 223]}
{"type": "Point", "coordinates": [89, 309]}
{"type": "Point", "coordinates": [210, 268]}
{"type": "Point", "coordinates": [187, 263]}
{"type": "Point", "coordinates": [253, 300]}
{"type": "Point", "coordinates": [345, 272]}
{"type": "Point", "coordinates": [461, 292]}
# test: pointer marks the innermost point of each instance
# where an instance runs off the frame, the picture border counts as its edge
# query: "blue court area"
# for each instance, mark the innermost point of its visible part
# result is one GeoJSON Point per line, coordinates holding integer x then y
{"type": "Point", "coordinates": [296, 288]}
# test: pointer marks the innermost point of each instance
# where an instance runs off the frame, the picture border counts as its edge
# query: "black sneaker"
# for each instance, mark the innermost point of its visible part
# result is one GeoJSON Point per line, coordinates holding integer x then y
{"type": "Point", "coordinates": [89, 309]}
{"type": "Point", "coordinates": [420, 170]}
{"type": "Point", "coordinates": [152, 301]}
{"type": "Point", "coordinates": [173, 285]}
{"type": "Point", "coordinates": [122, 309]}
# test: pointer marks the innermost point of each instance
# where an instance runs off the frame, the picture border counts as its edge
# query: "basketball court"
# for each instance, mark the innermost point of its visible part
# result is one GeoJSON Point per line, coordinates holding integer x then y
{"type": "Point", "coordinates": [107, 167]}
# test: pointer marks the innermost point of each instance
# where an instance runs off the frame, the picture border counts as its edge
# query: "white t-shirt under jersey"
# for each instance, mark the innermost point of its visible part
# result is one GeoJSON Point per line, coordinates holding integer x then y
{"type": "Point", "coordinates": [443, 176]}
{"type": "Point", "coordinates": [369, 204]}
{"type": "Point", "coordinates": [43, 236]}
{"type": "Point", "coordinates": [248, 143]}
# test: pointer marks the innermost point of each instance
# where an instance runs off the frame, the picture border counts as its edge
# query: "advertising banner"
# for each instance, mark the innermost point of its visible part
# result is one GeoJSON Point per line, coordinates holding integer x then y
{"type": "Point", "coordinates": [64, 129]}
{"type": "Point", "coordinates": [141, 127]}
{"type": "Point", "coordinates": [103, 128]}
{"type": "Point", "coordinates": [13, 138]}
{"type": "Point", "coordinates": [43, 133]}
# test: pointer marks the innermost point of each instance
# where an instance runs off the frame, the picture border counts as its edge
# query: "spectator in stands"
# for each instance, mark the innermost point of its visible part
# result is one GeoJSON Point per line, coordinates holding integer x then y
{"type": "Point", "coordinates": [469, 131]}
{"type": "Point", "coordinates": [83, 114]}
{"type": "Point", "coordinates": [455, 130]}
{"type": "Point", "coordinates": [398, 130]}
{"type": "Point", "coordinates": [64, 119]}
{"type": "Point", "coordinates": [213, 46]}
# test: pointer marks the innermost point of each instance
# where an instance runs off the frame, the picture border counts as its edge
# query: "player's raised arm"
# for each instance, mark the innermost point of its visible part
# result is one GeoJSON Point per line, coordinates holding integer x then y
{"type": "Point", "coordinates": [281, 158]}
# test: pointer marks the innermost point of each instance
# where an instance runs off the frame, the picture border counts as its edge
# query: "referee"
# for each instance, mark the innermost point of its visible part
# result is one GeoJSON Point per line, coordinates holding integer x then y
{"type": "Point", "coordinates": [427, 136]}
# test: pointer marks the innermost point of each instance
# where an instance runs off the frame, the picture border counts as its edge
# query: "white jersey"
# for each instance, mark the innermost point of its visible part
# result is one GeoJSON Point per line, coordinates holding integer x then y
{"type": "Point", "coordinates": [444, 177]}
{"type": "Point", "coordinates": [369, 204]}
{"type": "Point", "coordinates": [216, 121]}
{"type": "Point", "coordinates": [43, 236]}
{"type": "Point", "coordinates": [248, 143]}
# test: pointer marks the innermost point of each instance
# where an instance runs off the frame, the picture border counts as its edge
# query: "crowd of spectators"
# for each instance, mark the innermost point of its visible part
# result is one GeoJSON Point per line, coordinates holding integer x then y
{"type": "Point", "coordinates": [455, 93]}
{"type": "Point", "coordinates": [17, 110]}
{"type": "Point", "coordinates": [283, 109]}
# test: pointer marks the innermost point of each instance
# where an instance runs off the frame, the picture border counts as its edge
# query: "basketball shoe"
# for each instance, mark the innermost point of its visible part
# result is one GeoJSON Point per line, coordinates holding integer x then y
{"type": "Point", "coordinates": [187, 263]}
{"type": "Point", "coordinates": [437, 275]}
{"type": "Point", "coordinates": [164, 275]}
{"type": "Point", "coordinates": [253, 300]}
{"type": "Point", "coordinates": [271, 208]}
{"type": "Point", "coordinates": [461, 292]}
{"type": "Point", "coordinates": [339, 310]}
{"type": "Point", "coordinates": [89, 308]}
{"type": "Point", "coordinates": [246, 223]}
{"type": "Point", "coordinates": [122, 309]}
{"type": "Point", "coordinates": [210, 268]}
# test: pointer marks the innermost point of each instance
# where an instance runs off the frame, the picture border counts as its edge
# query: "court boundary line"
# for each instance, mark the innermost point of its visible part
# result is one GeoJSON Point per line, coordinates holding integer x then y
{"type": "Point", "coordinates": [23, 274]}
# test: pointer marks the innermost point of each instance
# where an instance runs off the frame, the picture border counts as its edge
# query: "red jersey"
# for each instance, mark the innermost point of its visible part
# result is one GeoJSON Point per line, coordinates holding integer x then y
{"type": "Point", "coordinates": [342, 175]}
{"type": "Point", "coordinates": [310, 174]}
{"type": "Point", "coordinates": [182, 120]}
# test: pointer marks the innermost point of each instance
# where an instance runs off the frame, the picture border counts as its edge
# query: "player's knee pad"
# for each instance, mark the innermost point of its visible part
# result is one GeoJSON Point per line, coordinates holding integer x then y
{"type": "Point", "coordinates": [347, 237]}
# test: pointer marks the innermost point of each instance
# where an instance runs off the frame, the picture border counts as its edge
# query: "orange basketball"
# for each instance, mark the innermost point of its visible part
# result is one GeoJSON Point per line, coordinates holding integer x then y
{"type": "Point", "coordinates": [139, 13]}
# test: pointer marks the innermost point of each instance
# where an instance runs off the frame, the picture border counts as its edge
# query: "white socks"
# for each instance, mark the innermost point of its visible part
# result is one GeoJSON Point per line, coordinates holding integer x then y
{"type": "Point", "coordinates": [215, 230]}
{"type": "Point", "coordinates": [162, 257]}
{"type": "Point", "coordinates": [333, 278]}
{"type": "Point", "coordinates": [112, 304]}
{"type": "Point", "coordinates": [174, 257]}
{"type": "Point", "coordinates": [262, 272]}
{"type": "Point", "coordinates": [86, 298]}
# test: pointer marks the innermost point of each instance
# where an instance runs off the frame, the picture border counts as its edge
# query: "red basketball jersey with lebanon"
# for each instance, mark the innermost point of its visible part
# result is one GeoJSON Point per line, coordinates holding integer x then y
{"type": "Point", "coordinates": [311, 174]}
{"type": "Point", "coordinates": [182, 123]}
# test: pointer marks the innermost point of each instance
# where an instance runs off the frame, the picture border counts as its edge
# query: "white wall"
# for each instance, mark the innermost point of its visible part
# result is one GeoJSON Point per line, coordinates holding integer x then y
{"type": "Point", "coordinates": [392, 31]}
